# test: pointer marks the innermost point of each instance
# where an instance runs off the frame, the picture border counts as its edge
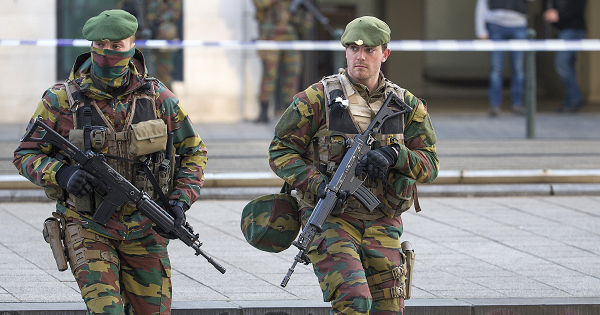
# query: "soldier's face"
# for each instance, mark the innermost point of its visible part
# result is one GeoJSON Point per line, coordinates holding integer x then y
{"type": "Point", "coordinates": [364, 62]}
{"type": "Point", "coordinates": [118, 45]}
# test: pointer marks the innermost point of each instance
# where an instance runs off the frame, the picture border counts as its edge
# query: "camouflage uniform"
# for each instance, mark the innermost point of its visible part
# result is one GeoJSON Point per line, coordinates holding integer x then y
{"type": "Point", "coordinates": [277, 23]}
{"type": "Point", "coordinates": [131, 267]}
{"type": "Point", "coordinates": [354, 244]}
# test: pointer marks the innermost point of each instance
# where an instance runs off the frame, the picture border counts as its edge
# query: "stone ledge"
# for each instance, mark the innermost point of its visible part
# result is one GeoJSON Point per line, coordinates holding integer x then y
{"type": "Point", "coordinates": [517, 306]}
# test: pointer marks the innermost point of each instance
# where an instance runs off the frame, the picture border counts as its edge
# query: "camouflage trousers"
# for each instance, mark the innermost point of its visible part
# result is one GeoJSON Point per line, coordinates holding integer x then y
{"type": "Point", "coordinates": [119, 276]}
{"type": "Point", "coordinates": [289, 76]}
{"type": "Point", "coordinates": [346, 252]}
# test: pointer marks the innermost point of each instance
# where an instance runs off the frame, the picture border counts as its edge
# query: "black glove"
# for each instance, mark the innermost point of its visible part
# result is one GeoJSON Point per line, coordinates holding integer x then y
{"type": "Point", "coordinates": [341, 197]}
{"type": "Point", "coordinates": [321, 192]}
{"type": "Point", "coordinates": [178, 208]}
{"type": "Point", "coordinates": [377, 162]}
{"type": "Point", "coordinates": [75, 180]}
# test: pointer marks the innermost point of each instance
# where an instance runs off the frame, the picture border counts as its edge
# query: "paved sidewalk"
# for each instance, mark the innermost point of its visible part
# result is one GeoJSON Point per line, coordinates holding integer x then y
{"type": "Point", "coordinates": [505, 252]}
{"type": "Point", "coordinates": [532, 248]}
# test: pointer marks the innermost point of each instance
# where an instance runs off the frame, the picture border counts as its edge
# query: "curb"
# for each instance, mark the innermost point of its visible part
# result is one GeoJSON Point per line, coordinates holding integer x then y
{"type": "Point", "coordinates": [529, 306]}
{"type": "Point", "coordinates": [425, 190]}
{"type": "Point", "coordinates": [448, 177]}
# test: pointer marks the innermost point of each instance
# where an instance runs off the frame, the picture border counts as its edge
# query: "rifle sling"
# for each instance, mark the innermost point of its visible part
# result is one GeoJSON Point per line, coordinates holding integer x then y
{"type": "Point", "coordinates": [87, 125]}
{"type": "Point", "coordinates": [150, 176]}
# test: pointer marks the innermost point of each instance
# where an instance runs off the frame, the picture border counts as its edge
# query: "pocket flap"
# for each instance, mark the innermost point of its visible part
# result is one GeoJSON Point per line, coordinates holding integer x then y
{"type": "Point", "coordinates": [149, 129]}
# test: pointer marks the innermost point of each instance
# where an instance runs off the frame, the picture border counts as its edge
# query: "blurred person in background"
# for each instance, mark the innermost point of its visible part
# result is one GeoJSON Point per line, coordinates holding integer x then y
{"type": "Point", "coordinates": [503, 20]}
{"type": "Point", "coordinates": [568, 17]}
{"type": "Point", "coordinates": [158, 19]}
{"type": "Point", "coordinates": [281, 68]}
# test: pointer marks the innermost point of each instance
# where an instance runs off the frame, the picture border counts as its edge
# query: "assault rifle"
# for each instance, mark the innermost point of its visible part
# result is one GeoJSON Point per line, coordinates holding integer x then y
{"type": "Point", "coordinates": [115, 189]}
{"type": "Point", "coordinates": [344, 180]}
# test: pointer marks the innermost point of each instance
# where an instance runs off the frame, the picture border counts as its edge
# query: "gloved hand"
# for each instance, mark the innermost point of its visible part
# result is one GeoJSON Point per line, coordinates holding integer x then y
{"type": "Point", "coordinates": [75, 180]}
{"type": "Point", "coordinates": [341, 197]}
{"type": "Point", "coordinates": [376, 163]}
{"type": "Point", "coordinates": [321, 192]}
{"type": "Point", "coordinates": [178, 208]}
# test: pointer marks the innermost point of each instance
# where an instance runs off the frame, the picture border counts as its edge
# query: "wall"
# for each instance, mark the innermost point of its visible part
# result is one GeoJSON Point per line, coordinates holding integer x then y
{"type": "Point", "coordinates": [405, 19]}
{"type": "Point", "coordinates": [219, 85]}
{"type": "Point", "coordinates": [25, 71]}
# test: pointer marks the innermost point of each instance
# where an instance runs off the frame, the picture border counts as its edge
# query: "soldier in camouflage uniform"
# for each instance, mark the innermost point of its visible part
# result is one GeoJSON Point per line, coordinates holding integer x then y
{"type": "Point", "coordinates": [356, 246]}
{"type": "Point", "coordinates": [161, 18]}
{"type": "Point", "coordinates": [122, 267]}
{"type": "Point", "coordinates": [278, 23]}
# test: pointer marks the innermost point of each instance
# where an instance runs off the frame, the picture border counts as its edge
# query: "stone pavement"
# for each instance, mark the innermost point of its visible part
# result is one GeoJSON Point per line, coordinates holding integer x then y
{"type": "Point", "coordinates": [473, 256]}
{"type": "Point", "coordinates": [529, 244]}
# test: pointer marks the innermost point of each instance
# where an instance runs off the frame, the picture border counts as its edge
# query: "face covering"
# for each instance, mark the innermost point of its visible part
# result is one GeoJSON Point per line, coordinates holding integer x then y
{"type": "Point", "coordinates": [110, 68]}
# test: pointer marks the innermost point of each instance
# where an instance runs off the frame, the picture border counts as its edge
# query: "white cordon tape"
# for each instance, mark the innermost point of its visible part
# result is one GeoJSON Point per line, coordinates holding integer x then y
{"type": "Point", "coordinates": [332, 45]}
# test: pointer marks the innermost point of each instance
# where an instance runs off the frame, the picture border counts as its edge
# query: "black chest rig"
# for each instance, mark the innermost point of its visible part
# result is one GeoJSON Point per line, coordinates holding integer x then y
{"type": "Point", "coordinates": [347, 114]}
{"type": "Point", "coordinates": [138, 149]}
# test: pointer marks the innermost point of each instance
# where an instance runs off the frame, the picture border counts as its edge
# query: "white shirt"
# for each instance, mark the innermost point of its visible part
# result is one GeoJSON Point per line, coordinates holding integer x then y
{"type": "Point", "coordinates": [502, 17]}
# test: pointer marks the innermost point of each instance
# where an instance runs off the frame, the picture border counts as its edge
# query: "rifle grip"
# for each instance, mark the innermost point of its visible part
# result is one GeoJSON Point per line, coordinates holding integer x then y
{"type": "Point", "coordinates": [105, 211]}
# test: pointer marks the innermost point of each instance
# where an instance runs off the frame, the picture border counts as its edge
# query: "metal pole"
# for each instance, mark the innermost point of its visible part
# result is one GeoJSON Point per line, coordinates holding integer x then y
{"type": "Point", "coordinates": [530, 88]}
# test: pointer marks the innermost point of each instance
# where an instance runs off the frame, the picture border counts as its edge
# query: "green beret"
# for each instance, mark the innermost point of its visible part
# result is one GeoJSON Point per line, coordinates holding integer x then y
{"type": "Point", "coordinates": [366, 30]}
{"type": "Point", "coordinates": [113, 25]}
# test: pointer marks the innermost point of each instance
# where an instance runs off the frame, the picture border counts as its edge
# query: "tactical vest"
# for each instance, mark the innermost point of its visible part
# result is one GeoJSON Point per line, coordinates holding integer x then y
{"type": "Point", "coordinates": [514, 5]}
{"type": "Point", "coordinates": [347, 114]}
{"type": "Point", "coordinates": [138, 152]}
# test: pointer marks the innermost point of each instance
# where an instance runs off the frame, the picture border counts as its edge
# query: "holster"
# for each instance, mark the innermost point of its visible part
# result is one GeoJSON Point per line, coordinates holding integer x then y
{"type": "Point", "coordinates": [409, 254]}
{"type": "Point", "coordinates": [402, 272]}
{"type": "Point", "coordinates": [54, 235]}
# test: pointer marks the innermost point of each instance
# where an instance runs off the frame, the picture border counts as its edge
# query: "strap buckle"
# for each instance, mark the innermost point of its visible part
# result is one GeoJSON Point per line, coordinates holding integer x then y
{"type": "Point", "coordinates": [397, 272]}
{"type": "Point", "coordinates": [396, 292]}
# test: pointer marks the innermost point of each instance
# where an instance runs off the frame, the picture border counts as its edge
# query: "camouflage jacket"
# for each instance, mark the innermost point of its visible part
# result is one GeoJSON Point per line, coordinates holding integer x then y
{"type": "Point", "coordinates": [35, 161]}
{"type": "Point", "coordinates": [306, 115]}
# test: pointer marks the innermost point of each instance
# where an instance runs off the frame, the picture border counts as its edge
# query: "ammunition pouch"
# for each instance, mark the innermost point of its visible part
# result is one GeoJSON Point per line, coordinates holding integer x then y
{"type": "Point", "coordinates": [74, 235]}
{"type": "Point", "coordinates": [54, 235]}
{"type": "Point", "coordinates": [86, 204]}
{"type": "Point", "coordinates": [55, 193]}
{"type": "Point", "coordinates": [161, 171]}
{"type": "Point", "coordinates": [403, 273]}
{"type": "Point", "coordinates": [402, 203]}
{"type": "Point", "coordinates": [147, 137]}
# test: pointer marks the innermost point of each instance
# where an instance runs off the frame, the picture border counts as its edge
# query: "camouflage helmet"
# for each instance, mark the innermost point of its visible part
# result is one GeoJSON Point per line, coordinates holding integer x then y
{"type": "Point", "coordinates": [270, 222]}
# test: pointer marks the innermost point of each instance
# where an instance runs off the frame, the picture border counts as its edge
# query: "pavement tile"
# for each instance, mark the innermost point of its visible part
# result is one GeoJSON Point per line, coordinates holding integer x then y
{"type": "Point", "coordinates": [518, 248]}
{"type": "Point", "coordinates": [8, 298]}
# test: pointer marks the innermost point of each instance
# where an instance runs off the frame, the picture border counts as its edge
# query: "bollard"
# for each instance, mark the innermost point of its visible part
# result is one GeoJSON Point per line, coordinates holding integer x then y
{"type": "Point", "coordinates": [530, 87]}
